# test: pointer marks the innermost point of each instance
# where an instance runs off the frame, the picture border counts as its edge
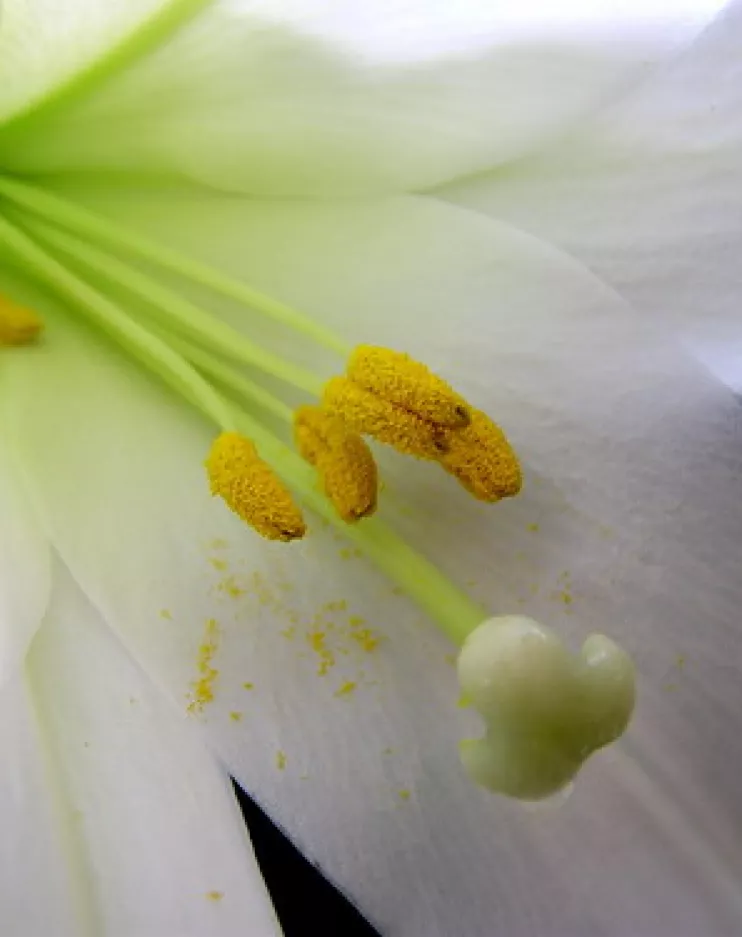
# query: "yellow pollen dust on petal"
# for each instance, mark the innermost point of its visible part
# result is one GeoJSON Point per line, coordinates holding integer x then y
{"type": "Point", "coordinates": [203, 686]}
{"type": "Point", "coordinates": [346, 689]}
{"type": "Point", "coordinates": [18, 325]}
{"type": "Point", "coordinates": [364, 412]}
{"type": "Point", "coordinates": [251, 489]}
{"type": "Point", "coordinates": [400, 380]}
{"type": "Point", "coordinates": [342, 459]}
{"type": "Point", "coordinates": [480, 457]}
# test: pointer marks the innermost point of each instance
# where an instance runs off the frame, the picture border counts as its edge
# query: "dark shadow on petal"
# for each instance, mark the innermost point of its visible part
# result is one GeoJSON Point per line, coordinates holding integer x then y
{"type": "Point", "coordinates": [303, 898]}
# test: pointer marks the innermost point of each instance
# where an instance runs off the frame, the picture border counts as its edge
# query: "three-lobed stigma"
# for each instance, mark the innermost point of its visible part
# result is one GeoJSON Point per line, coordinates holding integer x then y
{"type": "Point", "coordinates": [18, 324]}
{"type": "Point", "coordinates": [545, 710]}
{"type": "Point", "coordinates": [251, 489]}
{"type": "Point", "coordinates": [343, 460]}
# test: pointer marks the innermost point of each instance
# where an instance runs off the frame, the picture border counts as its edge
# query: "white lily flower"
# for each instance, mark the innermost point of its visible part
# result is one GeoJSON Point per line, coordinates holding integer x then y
{"type": "Point", "coordinates": [171, 178]}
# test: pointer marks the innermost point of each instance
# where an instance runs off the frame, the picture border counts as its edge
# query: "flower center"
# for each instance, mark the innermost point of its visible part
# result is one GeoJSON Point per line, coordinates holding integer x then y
{"type": "Point", "coordinates": [383, 394]}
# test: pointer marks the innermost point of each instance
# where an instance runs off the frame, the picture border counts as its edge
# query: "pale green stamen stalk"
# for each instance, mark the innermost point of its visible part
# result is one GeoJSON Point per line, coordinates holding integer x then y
{"type": "Point", "coordinates": [105, 233]}
{"type": "Point", "coordinates": [144, 346]}
{"type": "Point", "coordinates": [170, 311]}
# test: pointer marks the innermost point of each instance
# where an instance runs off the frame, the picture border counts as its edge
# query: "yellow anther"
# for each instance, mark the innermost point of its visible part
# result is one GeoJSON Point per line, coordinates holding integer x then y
{"type": "Point", "coordinates": [343, 460]}
{"type": "Point", "coordinates": [400, 380]}
{"type": "Point", "coordinates": [251, 489]}
{"type": "Point", "coordinates": [18, 325]}
{"type": "Point", "coordinates": [364, 412]}
{"type": "Point", "coordinates": [481, 458]}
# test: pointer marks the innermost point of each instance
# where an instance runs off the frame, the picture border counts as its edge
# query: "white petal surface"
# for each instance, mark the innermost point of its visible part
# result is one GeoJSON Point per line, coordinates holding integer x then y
{"type": "Point", "coordinates": [45, 44]}
{"type": "Point", "coordinates": [628, 524]}
{"type": "Point", "coordinates": [649, 195]}
{"type": "Point", "coordinates": [38, 890]}
{"type": "Point", "coordinates": [24, 567]}
{"type": "Point", "coordinates": [296, 97]}
{"type": "Point", "coordinates": [150, 824]}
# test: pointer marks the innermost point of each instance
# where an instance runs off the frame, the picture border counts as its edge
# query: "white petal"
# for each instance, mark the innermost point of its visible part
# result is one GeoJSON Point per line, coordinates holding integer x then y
{"type": "Point", "coordinates": [292, 97]}
{"type": "Point", "coordinates": [631, 511]}
{"type": "Point", "coordinates": [45, 44]}
{"type": "Point", "coordinates": [649, 195]}
{"type": "Point", "coordinates": [38, 893]}
{"type": "Point", "coordinates": [152, 826]}
{"type": "Point", "coordinates": [24, 568]}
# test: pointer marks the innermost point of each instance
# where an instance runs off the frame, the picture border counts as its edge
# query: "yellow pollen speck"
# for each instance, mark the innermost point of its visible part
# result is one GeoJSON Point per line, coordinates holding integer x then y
{"type": "Point", "coordinates": [364, 412]}
{"type": "Point", "coordinates": [18, 325]}
{"type": "Point", "coordinates": [251, 489]}
{"type": "Point", "coordinates": [365, 637]}
{"type": "Point", "coordinates": [166, 614]}
{"type": "Point", "coordinates": [680, 661]}
{"type": "Point", "coordinates": [534, 528]}
{"type": "Point", "coordinates": [215, 895]}
{"type": "Point", "coordinates": [230, 587]}
{"type": "Point", "coordinates": [343, 460]}
{"type": "Point", "coordinates": [399, 379]}
{"type": "Point", "coordinates": [317, 642]}
{"type": "Point", "coordinates": [404, 794]}
{"type": "Point", "coordinates": [248, 686]}
{"type": "Point", "coordinates": [218, 544]}
{"type": "Point", "coordinates": [236, 716]}
{"type": "Point", "coordinates": [339, 605]}
{"type": "Point", "coordinates": [280, 760]}
{"type": "Point", "coordinates": [482, 460]}
{"type": "Point", "coordinates": [218, 563]}
{"type": "Point", "coordinates": [346, 688]}
{"type": "Point", "coordinates": [203, 686]}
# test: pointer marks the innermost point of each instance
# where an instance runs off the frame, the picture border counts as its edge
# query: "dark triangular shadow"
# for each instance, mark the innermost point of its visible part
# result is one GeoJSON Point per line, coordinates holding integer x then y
{"type": "Point", "coordinates": [305, 902]}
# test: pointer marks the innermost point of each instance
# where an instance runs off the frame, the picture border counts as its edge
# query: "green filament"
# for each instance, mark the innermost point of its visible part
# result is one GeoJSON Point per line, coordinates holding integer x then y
{"type": "Point", "coordinates": [101, 231]}
{"type": "Point", "coordinates": [171, 311]}
{"type": "Point", "coordinates": [144, 346]}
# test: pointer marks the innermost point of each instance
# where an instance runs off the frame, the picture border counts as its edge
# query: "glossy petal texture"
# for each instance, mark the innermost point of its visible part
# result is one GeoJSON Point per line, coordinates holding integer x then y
{"type": "Point", "coordinates": [649, 196]}
{"type": "Point", "coordinates": [292, 98]}
{"type": "Point", "coordinates": [627, 524]}
{"type": "Point", "coordinates": [24, 567]}
{"type": "Point", "coordinates": [116, 819]}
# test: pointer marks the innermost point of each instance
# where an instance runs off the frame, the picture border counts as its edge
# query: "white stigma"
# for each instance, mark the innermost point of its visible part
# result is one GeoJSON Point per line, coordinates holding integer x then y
{"type": "Point", "coordinates": [545, 710]}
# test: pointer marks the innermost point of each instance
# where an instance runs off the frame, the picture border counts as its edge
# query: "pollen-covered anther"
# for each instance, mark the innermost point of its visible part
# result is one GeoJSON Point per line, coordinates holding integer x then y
{"type": "Point", "coordinates": [480, 457]}
{"type": "Point", "coordinates": [18, 325]}
{"type": "Point", "coordinates": [342, 459]}
{"type": "Point", "coordinates": [364, 412]}
{"type": "Point", "coordinates": [251, 488]}
{"type": "Point", "coordinates": [400, 380]}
